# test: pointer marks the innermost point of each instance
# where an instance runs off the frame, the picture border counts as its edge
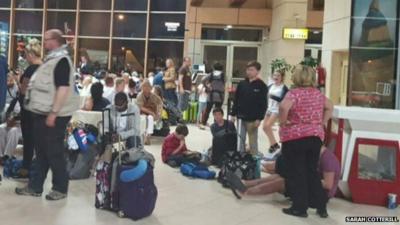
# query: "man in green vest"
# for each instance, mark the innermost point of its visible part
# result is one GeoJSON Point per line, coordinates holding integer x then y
{"type": "Point", "coordinates": [52, 100]}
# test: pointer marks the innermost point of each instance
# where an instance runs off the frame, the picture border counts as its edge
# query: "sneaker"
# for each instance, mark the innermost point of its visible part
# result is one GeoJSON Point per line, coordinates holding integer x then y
{"type": "Point", "coordinates": [55, 195]}
{"type": "Point", "coordinates": [27, 191]}
{"type": "Point", "coordinates": [272, 153]}
{"type": "Point", "coordinates": [202, 127]}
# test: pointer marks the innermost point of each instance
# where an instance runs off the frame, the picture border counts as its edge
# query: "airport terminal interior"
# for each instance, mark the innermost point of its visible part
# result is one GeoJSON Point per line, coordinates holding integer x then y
{"type": "Point", "coordinates": [211, 112]}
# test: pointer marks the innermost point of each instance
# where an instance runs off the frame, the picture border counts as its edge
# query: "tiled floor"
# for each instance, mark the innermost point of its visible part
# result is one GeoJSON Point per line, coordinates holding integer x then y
{"type": "Point", "coordinates": [181, 201]}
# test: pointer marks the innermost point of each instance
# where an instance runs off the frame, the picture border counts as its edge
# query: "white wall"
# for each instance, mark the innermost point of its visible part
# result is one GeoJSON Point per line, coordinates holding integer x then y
{"type": "Point", "coordinates": [336, 36]}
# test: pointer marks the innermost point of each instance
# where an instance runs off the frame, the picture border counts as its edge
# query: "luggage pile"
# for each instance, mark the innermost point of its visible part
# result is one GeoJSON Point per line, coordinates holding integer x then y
{"type": "Point", "coordinates": [125, 180]}
{"type": "Point", "coordinates": [125, 183]}
{"type": "Point", "coordinates": [82, 149]}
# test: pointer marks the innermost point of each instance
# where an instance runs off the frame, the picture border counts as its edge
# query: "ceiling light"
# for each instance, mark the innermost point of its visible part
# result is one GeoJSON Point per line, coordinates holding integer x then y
{"type": "Point", "coordinates": [172, 26]}
{"type": "Point", "coordinates": [121, 17]}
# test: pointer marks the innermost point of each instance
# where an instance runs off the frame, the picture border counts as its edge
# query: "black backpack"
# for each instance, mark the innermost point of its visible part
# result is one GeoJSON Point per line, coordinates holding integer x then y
{"type": "Point", "coordinates": [243, 164]}
{"type": "Point", "coordinates": [222, 145]}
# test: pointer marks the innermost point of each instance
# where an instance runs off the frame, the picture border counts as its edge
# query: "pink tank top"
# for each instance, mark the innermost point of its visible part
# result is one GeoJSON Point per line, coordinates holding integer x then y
{"type": "Point", "coordinates": [306, 115]}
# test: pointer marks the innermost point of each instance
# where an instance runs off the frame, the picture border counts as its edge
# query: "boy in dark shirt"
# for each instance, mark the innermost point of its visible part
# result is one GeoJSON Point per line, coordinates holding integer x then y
{"type": "Point", "coordinates": [224, 137]}
{"type": "Point", "coordinates": [250, 105]}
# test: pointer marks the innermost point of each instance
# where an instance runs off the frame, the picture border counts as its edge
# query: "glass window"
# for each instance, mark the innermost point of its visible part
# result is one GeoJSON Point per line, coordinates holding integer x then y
{"type": "Point", "coordinates": [373, 78]}
{"type": "Point", "coordinates": [5, 3]}
{"type": "Point", "coordinates": [241, 56]}
{"type": "Point", "coordinates": [4, 21]}
{"type": "Point", "coordinates": [167, 26]}
{"type": "Point", "coordinates": [374, 33]}
{"type": "Point", "coordinates": [375, 8]}
{"type": "Point", "coordinates": [231, 34]}
{"type": "Point", "coordinates": [138, 5]}
{"type": "Point", "coordinates": [314, 37]}
{"type": "Point", "coordinates": [28, 22]}
{"type": "Point", "coordinates": [318, 5]}
{"type": "Point", "coordinates": [19, 45]}
{"type": "Point", "coordinates": [36, 4]}
{"type": "Point", "coordinates": [377, 162]}
{"type": "Point", "coordinates": [96, 5]}
{"type": "Point", "coordinates": [214, 54]}
{"type": "Point", "coordinates": [123, 25]}
{"type": "Point", "coordinates": [62, 4]}
{"type": "Point", "coordinates": [97, 49]}
{"type": "Point", "coordinates": [4, 32]}
{"type": "Point", "coordinates": [159, 51]}
{"type": "Point", "coordinates": [95, 24]}
{"type": "Point", "coordinates": [65, 21]}
{"type": "Point", "coordinates": [168, 5]}
{"type": "Point", "coordinates": [128, 52]}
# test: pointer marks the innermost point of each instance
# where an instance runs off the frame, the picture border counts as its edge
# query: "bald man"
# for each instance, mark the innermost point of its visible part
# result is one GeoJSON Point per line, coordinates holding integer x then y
{"type": "Point", "coordinates": [151, 106]}
{"type": "Point", "coordinates": [52, 99]}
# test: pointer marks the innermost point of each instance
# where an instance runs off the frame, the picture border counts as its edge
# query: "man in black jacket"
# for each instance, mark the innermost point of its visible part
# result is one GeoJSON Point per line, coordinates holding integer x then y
{"type": "Point", "coordinates": [250, 105]}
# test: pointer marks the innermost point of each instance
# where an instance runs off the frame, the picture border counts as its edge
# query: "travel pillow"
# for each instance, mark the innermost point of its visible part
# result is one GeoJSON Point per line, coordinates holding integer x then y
{"type": "Point", "coordinates": [134, 173]}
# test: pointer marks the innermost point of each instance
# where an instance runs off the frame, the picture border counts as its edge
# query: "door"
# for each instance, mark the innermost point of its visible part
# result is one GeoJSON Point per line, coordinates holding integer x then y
{"type": "Point", "coordinates": [240, 57]}
{"type": "Point", "coordinates": [343, 82]}
{"type": "Point", "coordinates": [215, 53]}
{"type": "Point", "coordinates": [234, 57]}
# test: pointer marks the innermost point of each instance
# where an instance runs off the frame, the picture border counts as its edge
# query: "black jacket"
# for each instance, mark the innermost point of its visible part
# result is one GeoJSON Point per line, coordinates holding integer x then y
{"type": "Point", "coordinates": [250, 103]}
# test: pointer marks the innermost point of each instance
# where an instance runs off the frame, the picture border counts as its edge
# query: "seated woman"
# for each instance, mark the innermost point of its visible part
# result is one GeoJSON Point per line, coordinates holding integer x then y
{"type": "Point", "coordinates": [151, 106]}
{"type": "Point", "coordinates": [329, 168]}
{"type": "Point", "coordinates": [174, 151]}
{"type": "Point", "coordinates": [96, 102]}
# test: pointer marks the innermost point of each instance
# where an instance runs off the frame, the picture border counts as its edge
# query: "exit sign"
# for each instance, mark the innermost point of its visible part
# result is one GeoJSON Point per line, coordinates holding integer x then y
{"type": "Point", "coordinates": [295, 33]}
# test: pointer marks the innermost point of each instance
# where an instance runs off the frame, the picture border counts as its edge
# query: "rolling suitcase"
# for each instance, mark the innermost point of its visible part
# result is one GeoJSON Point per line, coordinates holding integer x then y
{"type": "Point", "coordinates": [137, 198]}
{"type": "Point", "coordinates": [194, 108]}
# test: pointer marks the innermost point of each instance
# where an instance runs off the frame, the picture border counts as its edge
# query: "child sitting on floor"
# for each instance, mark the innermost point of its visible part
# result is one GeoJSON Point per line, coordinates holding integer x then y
{"type": "Point", "coordinates": [174, 151]}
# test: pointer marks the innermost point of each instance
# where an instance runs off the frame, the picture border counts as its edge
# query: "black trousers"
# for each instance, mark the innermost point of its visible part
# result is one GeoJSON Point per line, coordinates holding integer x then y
{"type": "Point", "coordinates": [27, 137]}
{"type": "Point", "coordinates": [303, 181]}
{"type": "Point", "coordinates": [49, 147]}
{"type": "Point", "coordinates": [208, 110]}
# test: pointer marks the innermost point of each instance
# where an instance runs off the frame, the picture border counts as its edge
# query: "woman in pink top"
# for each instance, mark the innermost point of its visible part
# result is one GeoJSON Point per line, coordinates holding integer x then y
{"type": "Point", "coordinates": [304, 112]}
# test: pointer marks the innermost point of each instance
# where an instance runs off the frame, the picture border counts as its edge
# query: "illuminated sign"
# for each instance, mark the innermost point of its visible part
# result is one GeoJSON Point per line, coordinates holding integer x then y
{"type": "Point", "coordinates": [294, 33]}
{"type": "Point", "coordinates": [172, 26]}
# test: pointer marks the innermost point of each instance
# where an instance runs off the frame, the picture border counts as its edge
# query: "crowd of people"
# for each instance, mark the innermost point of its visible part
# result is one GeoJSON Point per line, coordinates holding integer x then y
{"type": "Point", "coordinates": [41, 101]}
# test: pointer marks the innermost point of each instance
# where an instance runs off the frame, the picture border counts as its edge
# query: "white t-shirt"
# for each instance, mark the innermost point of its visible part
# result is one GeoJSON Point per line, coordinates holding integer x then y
{"type": "Point", "coordinates": [121, 122]}
{"type": "Point", "coordinates": [202, 93]}
{"type": "Point", "coordinates": [275, 90]}
{"type": "Point", "coordinates": [109, 93]}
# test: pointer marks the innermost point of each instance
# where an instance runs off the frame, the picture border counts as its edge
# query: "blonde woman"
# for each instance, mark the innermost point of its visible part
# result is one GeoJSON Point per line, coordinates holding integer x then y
{"type": "Point", "coordinates": [169, 82]}
{"type": "Point", "coordinates": [303, 114]}
{"type": "Point", "coordinates": [276, 93]}
{"type": "Point", "coordinates": [33, 56]}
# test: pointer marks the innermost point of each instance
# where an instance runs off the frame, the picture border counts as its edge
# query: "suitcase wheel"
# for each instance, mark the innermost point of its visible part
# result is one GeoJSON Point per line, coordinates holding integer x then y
{"type": "Point", "coordinates": [121, 214]}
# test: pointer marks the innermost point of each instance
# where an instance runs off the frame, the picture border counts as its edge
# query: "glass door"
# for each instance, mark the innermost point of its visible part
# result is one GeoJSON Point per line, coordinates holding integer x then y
{"type": "Point", "coordinates": [215, 53]}
{"type": "Point", "coordinates": [233, 56]}
{"type": "Point", "coordinates": [241, 56]}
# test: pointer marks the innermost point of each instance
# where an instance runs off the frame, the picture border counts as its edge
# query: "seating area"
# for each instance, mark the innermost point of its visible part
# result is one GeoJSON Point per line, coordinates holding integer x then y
{"type": "Point", "coordinates": [181, 201]}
